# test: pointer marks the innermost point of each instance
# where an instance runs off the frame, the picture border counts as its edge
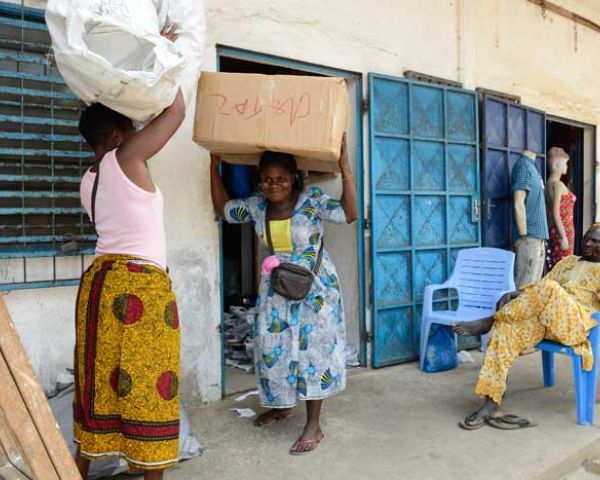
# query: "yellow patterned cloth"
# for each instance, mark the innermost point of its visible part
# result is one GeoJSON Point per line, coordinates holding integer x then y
{"type": "Point", "coordinates": [557, 308]}
{"type": "Point", "coordinates": [127, 364]}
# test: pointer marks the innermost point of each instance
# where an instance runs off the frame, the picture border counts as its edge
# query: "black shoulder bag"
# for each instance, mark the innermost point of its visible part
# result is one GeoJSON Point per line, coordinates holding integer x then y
{"type": "Point", "coordinates": [289, 280]}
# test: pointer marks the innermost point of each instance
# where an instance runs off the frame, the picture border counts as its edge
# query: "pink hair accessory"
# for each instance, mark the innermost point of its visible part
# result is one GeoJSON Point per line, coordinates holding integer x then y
{"type": "Point", "coordinates": [269, 264]}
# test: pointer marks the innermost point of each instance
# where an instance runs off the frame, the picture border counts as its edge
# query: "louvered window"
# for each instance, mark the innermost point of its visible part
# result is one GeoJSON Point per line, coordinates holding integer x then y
{"type": "Point", "coordinates": [44, 232]}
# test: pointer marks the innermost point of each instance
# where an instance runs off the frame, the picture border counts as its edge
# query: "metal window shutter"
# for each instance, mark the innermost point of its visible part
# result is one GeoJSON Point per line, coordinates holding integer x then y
{"type": "Point", "coordinates": [42, 156]}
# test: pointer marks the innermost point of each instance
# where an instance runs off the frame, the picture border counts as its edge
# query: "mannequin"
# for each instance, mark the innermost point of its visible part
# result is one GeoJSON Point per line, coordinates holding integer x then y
{"type": "Point", "coordinates": [531, 232]}
{"type": "Point", "coordinates": [561, 203]}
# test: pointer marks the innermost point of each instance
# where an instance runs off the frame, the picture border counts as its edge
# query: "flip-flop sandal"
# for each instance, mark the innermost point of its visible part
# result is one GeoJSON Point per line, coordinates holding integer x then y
{"type": "Point", "coordinates": [510, 422]}
{"type": "Point", "coordinates": [134, 472]}
{"type": "Point", "coordinates": [469, 423]}
{"type": "Point", "coordinates": [301, 441]}
{"type": "Point", "coordinates": [272, 420]}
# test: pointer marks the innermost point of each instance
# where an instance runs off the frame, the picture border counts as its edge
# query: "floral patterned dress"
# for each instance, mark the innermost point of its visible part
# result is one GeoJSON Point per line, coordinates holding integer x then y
{"type": "Point", "coordinates": [299, 347]}
{"type": "Point", "coordinates": [567, 205]}
{"type": "Point", "coordinates": [557, 308]}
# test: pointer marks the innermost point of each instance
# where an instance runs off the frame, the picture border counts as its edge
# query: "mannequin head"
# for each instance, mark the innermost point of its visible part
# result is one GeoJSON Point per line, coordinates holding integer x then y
{"type": "Point", "coordinates": [529, 154]}
{"type": "Point", "coordinates": [558, 161]}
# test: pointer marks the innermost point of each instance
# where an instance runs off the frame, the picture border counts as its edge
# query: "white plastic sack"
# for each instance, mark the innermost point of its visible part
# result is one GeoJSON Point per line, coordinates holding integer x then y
{"type": "Point", "coordinates": [111, 51]}
{"type": "Point", "coordinates": [189, 18]}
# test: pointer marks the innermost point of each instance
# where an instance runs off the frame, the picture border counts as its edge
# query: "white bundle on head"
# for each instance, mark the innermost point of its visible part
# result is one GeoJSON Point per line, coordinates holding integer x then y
{"type": "Point", "coordinates": [111, 51]}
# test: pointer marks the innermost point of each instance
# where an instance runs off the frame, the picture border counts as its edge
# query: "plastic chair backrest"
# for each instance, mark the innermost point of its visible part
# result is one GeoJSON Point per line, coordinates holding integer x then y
{"type": "Point", "coordinates": [481, 276]}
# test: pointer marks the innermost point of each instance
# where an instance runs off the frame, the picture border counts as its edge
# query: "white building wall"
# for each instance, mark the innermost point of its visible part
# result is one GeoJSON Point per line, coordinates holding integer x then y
{"type": "Point", "coordinates": [506, 45]}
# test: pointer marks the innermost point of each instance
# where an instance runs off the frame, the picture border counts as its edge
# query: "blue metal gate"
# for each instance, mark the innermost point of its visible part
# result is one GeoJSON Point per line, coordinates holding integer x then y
{"type": "Point", "coordinates": [424, 160]}
{"type": "Point", "coordinates": [507, 130]}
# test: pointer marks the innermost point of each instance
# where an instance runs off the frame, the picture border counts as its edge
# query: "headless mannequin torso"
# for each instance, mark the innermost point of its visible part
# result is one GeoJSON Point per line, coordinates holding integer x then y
{"type": "Point", "coordinates": [519, 197]}
{"type": "Point", "coordinates": [530, 220]}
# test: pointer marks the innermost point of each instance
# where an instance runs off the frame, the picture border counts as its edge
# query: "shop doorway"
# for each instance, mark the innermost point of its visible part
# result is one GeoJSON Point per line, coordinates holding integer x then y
{"type": "Point", "coordinates": [241, 253]}
{"type": "Point", "coordinates": [571, 136]}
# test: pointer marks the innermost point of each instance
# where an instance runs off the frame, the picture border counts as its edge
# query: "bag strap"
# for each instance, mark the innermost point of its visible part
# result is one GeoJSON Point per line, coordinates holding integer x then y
{"type": "Point", "coordinates": [270, 242]}
{"type": "Point", "coordinates": [268, 230]}
{"type": "Point", "coordinates": [94, 193]}
{"type": "Point", "coordinates": [320, 257]}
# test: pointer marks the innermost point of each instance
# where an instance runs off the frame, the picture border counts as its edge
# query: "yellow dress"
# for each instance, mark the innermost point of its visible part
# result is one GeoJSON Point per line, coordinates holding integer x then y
{"type": "Point", "coordinates": [557, 308]}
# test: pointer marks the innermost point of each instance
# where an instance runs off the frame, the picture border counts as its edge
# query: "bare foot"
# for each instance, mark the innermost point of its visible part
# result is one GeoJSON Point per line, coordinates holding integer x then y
{"type": "Point", "coordinates": [273, 416]}
{"type": "Point", "coordinates": [470, 329]}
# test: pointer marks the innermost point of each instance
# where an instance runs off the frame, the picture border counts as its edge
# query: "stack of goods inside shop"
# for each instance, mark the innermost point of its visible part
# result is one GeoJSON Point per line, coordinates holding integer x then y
{"type": "Point", "coordinates": [238, 325]}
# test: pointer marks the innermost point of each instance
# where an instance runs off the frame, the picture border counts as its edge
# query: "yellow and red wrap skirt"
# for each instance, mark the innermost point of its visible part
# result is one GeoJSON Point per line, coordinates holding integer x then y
{"type": "Point", "coordinates": [127, 364]}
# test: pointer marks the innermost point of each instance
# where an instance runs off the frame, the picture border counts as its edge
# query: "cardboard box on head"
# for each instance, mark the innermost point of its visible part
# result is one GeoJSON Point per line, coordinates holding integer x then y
{"type": "Point", "coordinates": [239, 116]}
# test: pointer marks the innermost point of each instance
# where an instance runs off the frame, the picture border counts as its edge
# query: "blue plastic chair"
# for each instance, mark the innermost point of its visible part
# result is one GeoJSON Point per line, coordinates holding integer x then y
{"type": "Point", "coordinates": [481, 276]}
{"type": "Point", "coordinates": [585, 382]}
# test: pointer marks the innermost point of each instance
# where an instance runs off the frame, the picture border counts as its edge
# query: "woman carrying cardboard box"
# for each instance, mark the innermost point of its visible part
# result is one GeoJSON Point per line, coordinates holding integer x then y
{"type": "Point", "coordinates": [300, 332]}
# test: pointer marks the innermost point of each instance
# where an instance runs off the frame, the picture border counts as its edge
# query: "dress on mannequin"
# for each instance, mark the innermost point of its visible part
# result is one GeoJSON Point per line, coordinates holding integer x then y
{"type": "Point", "coordinates": [561, 204]}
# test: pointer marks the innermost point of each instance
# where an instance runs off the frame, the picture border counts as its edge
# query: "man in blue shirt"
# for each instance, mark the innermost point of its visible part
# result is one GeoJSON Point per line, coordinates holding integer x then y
{"type": "Point", "coordinates": [527, 187]}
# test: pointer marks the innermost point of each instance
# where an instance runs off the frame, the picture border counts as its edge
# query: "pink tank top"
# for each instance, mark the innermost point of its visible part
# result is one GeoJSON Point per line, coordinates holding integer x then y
{"type": "Point", "coordinates": [129, 219]}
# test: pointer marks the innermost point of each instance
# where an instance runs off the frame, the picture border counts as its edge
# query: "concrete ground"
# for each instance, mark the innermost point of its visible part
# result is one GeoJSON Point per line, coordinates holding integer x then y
{"type": "Point", "coordinates": [399, 423]}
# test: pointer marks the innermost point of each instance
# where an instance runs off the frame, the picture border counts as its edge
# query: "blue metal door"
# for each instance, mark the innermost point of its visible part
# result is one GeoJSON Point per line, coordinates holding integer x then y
{"type": "Point", "coordinates": [507, 130]}
{"type": "Point", "coordinates": [424, 160]}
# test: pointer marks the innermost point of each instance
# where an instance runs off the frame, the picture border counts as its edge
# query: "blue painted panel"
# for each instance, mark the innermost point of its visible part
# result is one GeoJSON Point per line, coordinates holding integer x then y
{"type": "Point", "coordinates": [461, 229]}
{"type": "Point", "coordinates": [536, 132]}
{"type": "Point", "coordinates": [496, 179]}
{"type": "Point", "coordinates": [424, 183]}
{"type": "Point", "coordinates": [516, 128]}
{"type": "Point", "coordinates": [499, 216]}
{"type": "Point", "coordinates": [393, 228]}
{"type": "Point", "coordinates": [430, 268]}
{"type": "Point", "coordinates": [391, 170]}
{"type": "Point", "coordinates": [525, 129]}
{"type": "Point", "coordinates": [430, 220]}
{"type": "Point", "coordinates": [495, 124]}
{"type": "Point", "coordinates": [428, 162]}
{"type": "Point", "coordinates": [461, 117]}
{"type": "Point", "coordinates": [497, 206]}
{"type": "Point", "coordinates": [390, 104]}
{"type": "Point", "coordinates": [396, 326]}
{"type": "Point", "coordinates": [393, 279]}
{"type": "Point", "coordinates": [462, 168]}
{"type": "Point", "coordinates": [427, 112]}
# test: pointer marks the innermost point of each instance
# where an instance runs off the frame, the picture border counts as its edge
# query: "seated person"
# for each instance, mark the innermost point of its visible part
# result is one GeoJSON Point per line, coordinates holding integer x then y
{"type": "Point", "coordinates": [556, 308]}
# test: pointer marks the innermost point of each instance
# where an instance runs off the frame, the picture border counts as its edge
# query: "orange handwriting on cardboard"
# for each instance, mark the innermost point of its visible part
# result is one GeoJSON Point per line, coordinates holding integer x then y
{"type": "Point", "coordinates": [291, 108]}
